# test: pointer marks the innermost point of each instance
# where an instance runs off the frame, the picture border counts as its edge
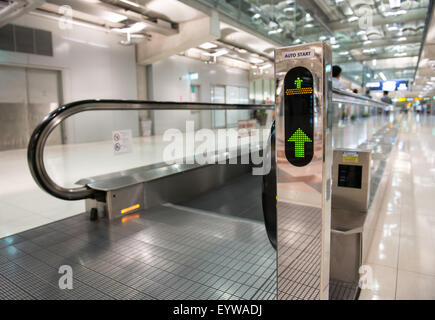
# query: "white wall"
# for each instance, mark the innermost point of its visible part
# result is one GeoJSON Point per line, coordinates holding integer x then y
{"type": "Point", "coordinates": [169, 85]}
{"type": "Point", "coordinates": [93, 66]}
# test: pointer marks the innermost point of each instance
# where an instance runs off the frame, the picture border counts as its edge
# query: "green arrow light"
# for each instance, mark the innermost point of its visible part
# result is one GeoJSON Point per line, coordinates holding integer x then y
{"type": "Point", "coordinates": [298, 82]}
{"type": "Point", "coordinates": [299, 138]}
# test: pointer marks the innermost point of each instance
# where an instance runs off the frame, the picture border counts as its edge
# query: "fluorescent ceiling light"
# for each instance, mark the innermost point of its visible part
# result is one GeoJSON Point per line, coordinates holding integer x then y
{"type": "Point", "coordinates": [332, 40]}
{"type": "Point", "coordinates": [309, 25]}
{"type": "Point", "coordinates": [256, 16]}
{"type": "Point", "coordinates": [361, 32]}
{"type": "Point", "coordinates": [297, 40]}
{"type": "Point", "coordinates": [134, 4]}
{"type": "Point", "coordinates": [367, 42]}
{"type": "Point", "coordinates": [289, 9]}
{"type": "Point", "coordinates": [216, 54]}
{"type": "Point", "coordinates": [114, 17]}
{"type": "Point", "coordinates": [393, 28]}
{"type": "Point", "coordinates": [335, 46]}
{"type": "Point", "coordinates": [382, 75]}
{"type": "Point", "coordinates": [268, 65]}
{"type": "Point", "coordinates": [401, 39]}
{"type": "Point", "coordinates": [343, 53]}
{"type": "Point", "coordinates": [208, 45]}
{"type": "Point", "coordinates": [401, 54]}
{"type": "Point", "coordinates": [395, 13]}
{"type": "Point", "coordinates": [137, 27]}
{"type": "Point", "coordinates": [352, 19]}
{"type": "Point", "coordinates": [371, 50]}
{"type": "Point", "coordinates": [256, 60]}
{"type": "Point", "coordinates": [394, 4]}
{"type": "Point", "coordinates": [275, 31]}
{"type": "Point", "coordinates": [321, 38]}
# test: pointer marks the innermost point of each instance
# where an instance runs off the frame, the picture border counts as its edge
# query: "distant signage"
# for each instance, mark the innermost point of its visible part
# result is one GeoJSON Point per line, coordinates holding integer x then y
{"type": "Point", "coordinates": [191, 76]}
{"type": "Point", "coordinates": [392, 85]}
{"type": "Point", "coordinates": [122, 141]}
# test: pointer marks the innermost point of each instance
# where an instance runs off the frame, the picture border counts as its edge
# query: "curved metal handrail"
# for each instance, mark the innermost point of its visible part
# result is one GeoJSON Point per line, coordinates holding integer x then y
{"type": "Point", "coordinates": [35, 152]}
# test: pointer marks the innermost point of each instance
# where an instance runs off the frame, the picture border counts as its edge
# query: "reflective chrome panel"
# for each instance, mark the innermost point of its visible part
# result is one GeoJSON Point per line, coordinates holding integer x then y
{"type": "Point", "coordinates": [303, 207]}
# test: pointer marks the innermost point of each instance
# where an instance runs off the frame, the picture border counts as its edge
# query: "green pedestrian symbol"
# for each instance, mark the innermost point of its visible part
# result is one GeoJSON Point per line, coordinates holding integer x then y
{"type": "Point", "coordinates": [298, 83]}
{"type": "Point", "coordinates": [299, 138]}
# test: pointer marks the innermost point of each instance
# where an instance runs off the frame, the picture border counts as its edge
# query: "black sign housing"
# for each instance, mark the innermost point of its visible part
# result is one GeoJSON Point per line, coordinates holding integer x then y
{"type": "Point", "coordinates": [299, 116]}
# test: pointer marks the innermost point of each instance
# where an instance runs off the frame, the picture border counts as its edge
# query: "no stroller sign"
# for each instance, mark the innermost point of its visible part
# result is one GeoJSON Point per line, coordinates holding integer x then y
{"type": "Point", "coordinates": [122, 141]}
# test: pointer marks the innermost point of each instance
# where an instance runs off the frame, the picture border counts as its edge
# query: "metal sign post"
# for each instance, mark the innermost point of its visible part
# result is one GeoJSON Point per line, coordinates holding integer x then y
{"type": "Point", "coordinates": [304, 158]}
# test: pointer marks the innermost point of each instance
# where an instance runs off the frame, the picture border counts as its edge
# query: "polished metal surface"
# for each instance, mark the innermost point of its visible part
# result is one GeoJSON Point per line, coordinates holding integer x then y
{"type": "Point", "coordinates": [304, 192]}
{"type": "Point", "coordinates": [351, 198]}
{"type": "Point", "coordinates": [167, 188]}
{"type": "Point", "coordinates": [42, 132]}
{"type": "Point", "coordinates": [352, 223]}
{"type": "Point", "coordinates": [126, 178]}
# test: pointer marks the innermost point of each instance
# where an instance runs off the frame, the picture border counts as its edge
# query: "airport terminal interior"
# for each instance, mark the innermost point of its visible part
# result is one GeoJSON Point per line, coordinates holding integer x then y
{"type": "Point", "coordinates": [217, 150]}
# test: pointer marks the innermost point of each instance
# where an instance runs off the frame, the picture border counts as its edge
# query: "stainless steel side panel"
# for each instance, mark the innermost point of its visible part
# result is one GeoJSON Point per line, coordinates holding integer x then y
{"type": "Point", "coordinates": [303, 193]}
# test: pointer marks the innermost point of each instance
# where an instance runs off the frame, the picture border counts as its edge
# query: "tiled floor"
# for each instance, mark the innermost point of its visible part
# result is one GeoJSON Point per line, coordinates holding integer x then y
{"type": "Point", "coordinates": [402, 254]}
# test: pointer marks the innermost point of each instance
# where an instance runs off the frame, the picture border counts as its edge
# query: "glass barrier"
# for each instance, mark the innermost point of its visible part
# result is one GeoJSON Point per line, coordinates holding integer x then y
{"type": "Point", "coordinates": [283, 21]}
{"type": "Point", "coordinates": [94, 143]}
{"type": "Point", "coordinates": [357, 120]}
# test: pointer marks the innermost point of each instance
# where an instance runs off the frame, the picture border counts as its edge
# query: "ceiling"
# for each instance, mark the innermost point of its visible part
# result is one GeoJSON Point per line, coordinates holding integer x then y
{"type": "Point", "coordinates": [371, 39]}
{"type": "Point", "coordinates": [384, 37]}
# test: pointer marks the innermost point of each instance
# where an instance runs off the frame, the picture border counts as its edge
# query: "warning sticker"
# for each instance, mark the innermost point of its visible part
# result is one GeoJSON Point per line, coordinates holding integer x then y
{"type": "Point", "coordinates": [350, 157]}
{"type": "Point", "coordinates": [122, 141]}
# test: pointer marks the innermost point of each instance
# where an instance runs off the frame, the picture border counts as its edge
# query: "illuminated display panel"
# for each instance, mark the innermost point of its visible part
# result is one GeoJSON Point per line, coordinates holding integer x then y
{"type": "Point", "coordinates": [299, 116]}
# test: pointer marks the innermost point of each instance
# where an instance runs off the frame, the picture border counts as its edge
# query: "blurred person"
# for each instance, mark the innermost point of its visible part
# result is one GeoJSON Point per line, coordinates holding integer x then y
{"type": "Point", "coordinates": [336, 74]}
{"type": "Point", "coordinates": [367, 94]}
{"type": "Point", "coordinates": [385, 98]}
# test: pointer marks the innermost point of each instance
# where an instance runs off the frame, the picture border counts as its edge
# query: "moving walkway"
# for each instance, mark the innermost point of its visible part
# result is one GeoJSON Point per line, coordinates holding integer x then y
{"type": "Point", "coordinates": [194, 231]}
